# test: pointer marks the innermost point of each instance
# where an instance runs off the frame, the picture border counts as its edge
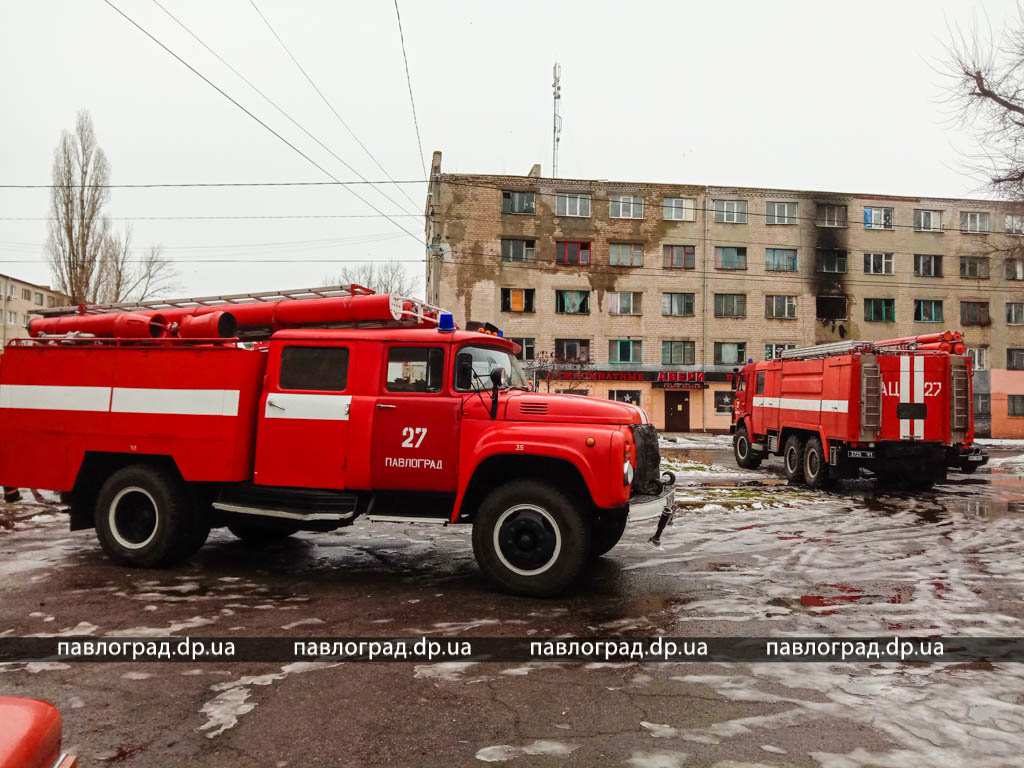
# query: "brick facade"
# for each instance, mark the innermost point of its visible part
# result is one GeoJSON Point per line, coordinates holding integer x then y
{"type": "Point", "coordinates": [17, 299]}
{"type": "Point", "coordinates": [466, 272]}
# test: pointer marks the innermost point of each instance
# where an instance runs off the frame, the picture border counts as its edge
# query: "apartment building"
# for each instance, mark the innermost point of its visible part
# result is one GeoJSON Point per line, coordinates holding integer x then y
{"type": "Point", "coordinates": [654, 293]}
{"type": "Point", "coordinates": [19, 298]}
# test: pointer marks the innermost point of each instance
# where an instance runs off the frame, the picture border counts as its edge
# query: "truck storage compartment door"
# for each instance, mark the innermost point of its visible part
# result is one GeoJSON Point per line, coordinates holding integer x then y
{"type": "Point", "coordinates": [302, 438]}
{"type": "Point", "coordinates": [415, 440]}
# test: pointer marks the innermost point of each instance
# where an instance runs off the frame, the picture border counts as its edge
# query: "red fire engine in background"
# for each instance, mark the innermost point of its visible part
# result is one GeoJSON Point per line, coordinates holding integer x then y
{"type": "Point", "coordinates": [900, 408]}
{"type": "Point", "coordinates": [273, 413]}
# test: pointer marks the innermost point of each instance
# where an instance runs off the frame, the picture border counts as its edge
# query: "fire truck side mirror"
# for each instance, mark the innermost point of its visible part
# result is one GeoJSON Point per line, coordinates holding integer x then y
{"type": "Point", "coordinates": [734, 379]}
{"type": "Point", "coordinates": [497, 375]}
{"type": "Point", "coordinates": [464, 371]}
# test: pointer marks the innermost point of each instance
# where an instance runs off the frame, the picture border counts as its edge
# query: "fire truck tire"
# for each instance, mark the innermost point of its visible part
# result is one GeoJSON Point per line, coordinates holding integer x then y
{"type": "Point", "coordinates": [145, 518]}
{"type": "Point", "coordinates": [815, 463]}
{"type": "Point", "coordinates": [262, 536]}
{"type": "Point", "coordinates": [530, 539]}
{"type": "Point", "coordinates": [793, 459]}
{"type": "Point", "coordinates": [608, 529]}
{"type": "Point", "coordinates": [746, 457]}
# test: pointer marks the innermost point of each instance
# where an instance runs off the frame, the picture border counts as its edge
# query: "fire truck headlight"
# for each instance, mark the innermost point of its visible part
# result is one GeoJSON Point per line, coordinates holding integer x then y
{"type": "Point", "coordinates": [627, 473]}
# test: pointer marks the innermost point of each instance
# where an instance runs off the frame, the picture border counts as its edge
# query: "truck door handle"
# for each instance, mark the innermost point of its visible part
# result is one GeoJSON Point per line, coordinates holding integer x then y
{"type": "Point", "coordinates": [272, 404]}
{"type": "Point", "coordinates": [385, 405]}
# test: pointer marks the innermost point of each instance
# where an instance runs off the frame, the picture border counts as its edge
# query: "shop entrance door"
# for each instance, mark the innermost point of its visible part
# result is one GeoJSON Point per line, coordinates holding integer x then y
{"type": "Point", "coordinates": [677, 411]}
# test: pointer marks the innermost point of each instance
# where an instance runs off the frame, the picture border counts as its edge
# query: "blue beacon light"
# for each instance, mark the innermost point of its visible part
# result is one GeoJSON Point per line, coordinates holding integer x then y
{"type": "Point", "coordinates": [446, 322]}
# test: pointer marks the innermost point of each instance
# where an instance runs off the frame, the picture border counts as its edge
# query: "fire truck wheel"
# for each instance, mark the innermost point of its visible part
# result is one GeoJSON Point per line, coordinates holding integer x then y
{"type": "Point", "coordinates": [793, 459]}
{"type": "Point", "coordinates": [746, 457]}
{"type": "Point", "coordinates": [608, 529]}
{"type": "Point", "coordinates": [262, 536]}
{"type": "Point", "coordinates": [145, 518]}
{"type": "Point", "coordinates": [530, 539]}
{"type": "Point", "coordinates": [815, 463]}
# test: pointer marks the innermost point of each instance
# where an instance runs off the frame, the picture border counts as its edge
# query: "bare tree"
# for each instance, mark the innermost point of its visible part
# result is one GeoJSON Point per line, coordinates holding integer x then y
{"type": "Point", "coordinates": [568, 373]}
{"type": "Point", "coordinates": [985, 88]}
{"type": "Point", "coordinates": [89, 261]}
{"type": "Point", "coordinates": [389, 276]}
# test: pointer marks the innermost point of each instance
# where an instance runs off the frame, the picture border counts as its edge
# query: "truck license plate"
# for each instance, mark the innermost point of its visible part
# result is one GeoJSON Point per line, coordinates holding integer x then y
{"type": "Point", "coordinates": [975, 457]}
{"type": "Point", "coordinates": [861, 454]}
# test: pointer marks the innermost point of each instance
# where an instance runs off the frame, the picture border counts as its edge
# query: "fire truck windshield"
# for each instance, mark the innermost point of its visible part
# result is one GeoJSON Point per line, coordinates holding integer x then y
{"type": "Point", "coordinates": [487, 359]}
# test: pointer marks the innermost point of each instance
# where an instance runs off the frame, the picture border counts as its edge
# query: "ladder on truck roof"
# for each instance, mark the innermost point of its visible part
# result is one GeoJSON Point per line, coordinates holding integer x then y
{"type": "Point", "coordinates": [324, 292]}
{"type": "Point", "coordinates": [947, 341]}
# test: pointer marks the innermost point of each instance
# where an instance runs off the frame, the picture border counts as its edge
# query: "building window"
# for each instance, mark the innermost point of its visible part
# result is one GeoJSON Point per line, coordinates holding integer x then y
{"type": "Point", "coordinates": [1014, 269]}
{"type": "Point", "coordinates": [572, 350]}
{"type": "Point", "coordinates": [518, 250]}
{"type": "Point", "coordinates": [831, 261]}
{"type": "Point", "coordinates": [731, 211]}
{"type": "Point", "coordinates": [572, 302]}
{"type": "Point", "coordinates": [572, 205]}
{"type": "Point", "coordinates": [780, 307]}
{"type": "Point", "coordinates": [730, 257]}
{"type": "Point", "coordinates": [677, 352]}
{"type": "Point", "coordinates": [625, 207]}
{"type": "Point", "coordinates": [39, 299]}
{"type": "Point", "coordinates": [974, 222]}
{"type": "Point", "coordinates": [677, 304]}
{"type": "Point", "coordinates": [878, 218]}
{"type": "Point", "coordinates": [730, 305]}
{"type": "Point", "coordinates": [928, 221]}
{"type": "Point", "coordinates": [878, 264]}
{"type": "Point", "coordinates": [517, 299]}
{"type": "Point", "coordinates": [626, 254]}
{"type": "Point", "coordinates": [880, 310]}
{"type": "Point", "coordinates": [830, 307]}
{"type": "Point", "coordinates": [572, 253]}
{"type": "Point", "coordinates": [831, 216]}
{"type": "Point", "coordinates": [723, 401]}
{"type": "Point", "coordinates": [12, 318]}
{"type": "Point", "coordinates": [1014, 313]}
{"type": "Point", "coordinates": [780, 259]}
{"type": "Point", "coordinates": [1014, 224]}
{"type": "Point", "coordinates": [631, 396]}
{"type": "Point", "coordinates": [26, 294]}
{"type": "Point", "coordinates": [1015, 405]}
{"type": "Point", "coordinates": [625, 351]}
{"type": "Point", "coordinates": [928, 310]}
{"type": "Point", "coordinates": [1015, 359]}
{"type": "Point", "coordinates": [517, 202]}
{"type": "Point", "coordinates": [730, 352]}
{"type": "Point", "coordinates": [679, 208]}
{"type": "Point", "coordinates": [982, 405]}
{"type": "Point", "coordinates": [774, 351]}
{"type": "Point", "coordinates": [779, 213]}
{"type": "Point", "coordinates": [24, 320]}
{"type": "Point", "coordinates": [626, 303]}
{"type": "Point", "coordinates": [527, 351]}
{"type": "Point", "coordinates": [975, 267]}
{"type": "Point", "coordinates": [979, 358]}
{"type": "Point", "coordinates": [51, 301]}
{"type": "Point", "coordinates": [927, 265]}
{"type": "Point", "coordinates": [679, 257]}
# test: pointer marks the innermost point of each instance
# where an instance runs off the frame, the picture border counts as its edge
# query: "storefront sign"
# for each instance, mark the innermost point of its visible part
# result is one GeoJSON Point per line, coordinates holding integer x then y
{"type": "Point", "coordinates": [664, 379]}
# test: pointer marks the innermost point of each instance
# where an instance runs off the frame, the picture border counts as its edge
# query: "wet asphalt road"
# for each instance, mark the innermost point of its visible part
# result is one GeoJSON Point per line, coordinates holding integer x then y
{"type": "Point", "coordinates": [747, 556]}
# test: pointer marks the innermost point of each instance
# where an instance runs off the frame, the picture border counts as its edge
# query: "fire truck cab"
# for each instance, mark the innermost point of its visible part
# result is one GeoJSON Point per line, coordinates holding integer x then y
{"type": "Point", "coordinates": [901, 409]}
{"type": "Point", "coordinates": [274, 413]}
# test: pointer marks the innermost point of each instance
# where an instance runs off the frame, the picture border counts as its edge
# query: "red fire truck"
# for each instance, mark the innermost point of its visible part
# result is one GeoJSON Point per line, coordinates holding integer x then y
{"type": "Point", "coordinates": [273, 413]}
{"type": "Point", "coordinates": [901, 409]}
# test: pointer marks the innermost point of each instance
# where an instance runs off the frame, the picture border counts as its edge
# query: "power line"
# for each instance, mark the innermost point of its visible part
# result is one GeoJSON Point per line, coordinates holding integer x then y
{"type": "Point", "coordinates": [324, 98]}
{"type": "Point", "coordinates": [232, 218]}
{"type": "Point", "coordinates": [223, 93]}
{"type": "Point", "coordinates": [408, 80]}
{"type": "Point", "coordinates": [275, 105]}
{"type": "Point", "coordinates": [340, 262]}
{"type": "Point", "coordinates": [334, 183]}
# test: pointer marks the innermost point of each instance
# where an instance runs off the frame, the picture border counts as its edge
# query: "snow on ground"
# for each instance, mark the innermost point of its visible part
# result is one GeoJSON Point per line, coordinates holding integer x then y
{"type": "Point", "coordinates": [1012, 464]}
{"type": "Point", "coordinates": [1010, 445]}
{"type": "Point", "coordinates": [694, 440]}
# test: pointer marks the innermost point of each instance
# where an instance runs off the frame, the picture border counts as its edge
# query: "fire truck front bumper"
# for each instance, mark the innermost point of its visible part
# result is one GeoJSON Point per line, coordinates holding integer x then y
{"type": "Point", "coordinates": [650, 506]}
{"type": "Point", "coordinates": [964, 455]}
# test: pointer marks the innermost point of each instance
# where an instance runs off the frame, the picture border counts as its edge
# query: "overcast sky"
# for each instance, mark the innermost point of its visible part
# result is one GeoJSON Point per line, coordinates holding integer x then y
{"type": "Point", "coordinates": [807, 95]}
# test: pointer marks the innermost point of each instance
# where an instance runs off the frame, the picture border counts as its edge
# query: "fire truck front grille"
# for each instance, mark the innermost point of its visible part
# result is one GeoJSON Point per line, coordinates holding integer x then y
{"type": "Point", "coordinates": [648, 460]}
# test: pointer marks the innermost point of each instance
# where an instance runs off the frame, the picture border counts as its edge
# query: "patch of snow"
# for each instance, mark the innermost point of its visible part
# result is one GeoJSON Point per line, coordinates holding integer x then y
{"type": "Point", "coordinates": [302, 622]}
{"type": "Point", "coordinates": [449, 671]}
{"type": "Point", "coordinates": [82, 628]}
{"type": "Point", "coordinates": [173, 627]}
{"type": "Point", "coordinates": [661, 759]}
{"type": "Point", "coordinates": [33, 667]}
{"type": "Point", "coordinates": [660, 731]}
{"type": "Point", "coordinates": [137, 675]}
{"type": "Point", "coordinates": [503, 752]}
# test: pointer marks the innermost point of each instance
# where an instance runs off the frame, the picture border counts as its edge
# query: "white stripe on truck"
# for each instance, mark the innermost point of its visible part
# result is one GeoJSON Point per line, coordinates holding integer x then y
{"type": "Point", "coordinates": [283, 405]}
{"type": "Point", "coordinates": [173, 402]}
{"type": "Point", "coordinates": [803, 404]}
{"type": "Point", "coordinates": [918, 424]}
{"type": "Point", "coordinates": [904, 394]}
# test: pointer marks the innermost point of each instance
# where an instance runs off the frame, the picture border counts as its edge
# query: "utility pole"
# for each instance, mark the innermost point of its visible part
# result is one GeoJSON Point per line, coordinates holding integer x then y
{"type": "Point", "coordinates": [556, 87]}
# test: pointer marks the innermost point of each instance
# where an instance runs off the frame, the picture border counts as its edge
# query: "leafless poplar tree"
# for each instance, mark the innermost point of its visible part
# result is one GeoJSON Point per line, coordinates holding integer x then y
{"type": "Point", "coordinates": [385, 277]}
{"type": "Point", "coordinates": [89, 261]}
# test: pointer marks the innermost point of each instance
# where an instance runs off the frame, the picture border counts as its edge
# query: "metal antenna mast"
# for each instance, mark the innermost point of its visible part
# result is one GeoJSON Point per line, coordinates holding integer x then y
{"type": "Point", "coordinates": [556, 87]}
